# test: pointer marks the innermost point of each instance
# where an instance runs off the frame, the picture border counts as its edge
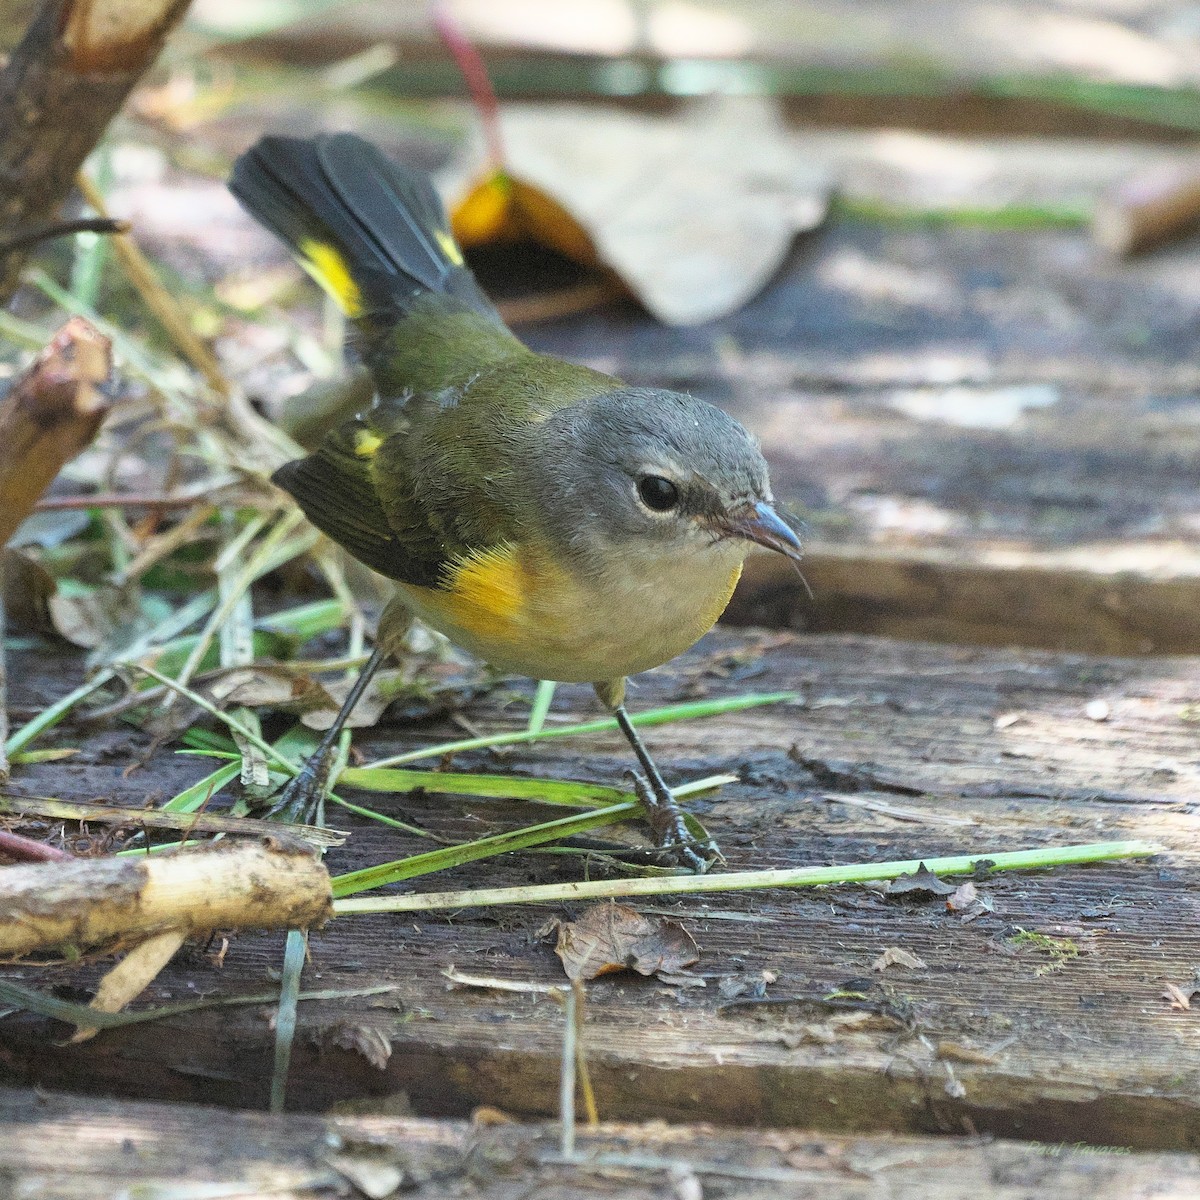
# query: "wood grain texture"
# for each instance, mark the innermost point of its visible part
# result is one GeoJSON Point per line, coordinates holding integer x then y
{"type": "Point", "coordinates": [991, 434]}
{"type": "Point", "coordinates": [896, 751]}
{"type": "Point", "coordinates": [117, 1146]}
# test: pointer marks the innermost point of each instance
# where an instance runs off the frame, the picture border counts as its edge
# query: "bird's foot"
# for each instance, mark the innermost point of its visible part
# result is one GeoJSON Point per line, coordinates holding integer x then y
{"type": "Point", "coordinates": [302, 800]}
{"type": "Point", "coordinates": [668, 826]}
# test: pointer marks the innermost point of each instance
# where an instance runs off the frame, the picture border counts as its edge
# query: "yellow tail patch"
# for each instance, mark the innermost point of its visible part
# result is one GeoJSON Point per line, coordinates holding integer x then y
{"type": "Point", "coordinates": [330, 269]}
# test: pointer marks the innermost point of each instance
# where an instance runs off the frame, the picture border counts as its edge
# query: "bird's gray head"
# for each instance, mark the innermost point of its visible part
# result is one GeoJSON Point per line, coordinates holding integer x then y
{"type": "Point", "coordinates": [660, 470]}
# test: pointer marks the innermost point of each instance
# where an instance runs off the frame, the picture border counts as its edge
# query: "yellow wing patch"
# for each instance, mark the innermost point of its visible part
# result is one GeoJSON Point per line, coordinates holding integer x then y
{"type": "Point", "coordinates": [329, 269]}
{"type": "Point", "coordinates": [486, 591]}
{"type": "Point", "coordinates": [366, 443]}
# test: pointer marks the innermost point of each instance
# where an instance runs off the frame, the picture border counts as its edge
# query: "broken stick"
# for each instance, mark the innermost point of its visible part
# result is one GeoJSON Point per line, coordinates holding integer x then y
{"type": "Point", "coordinates": [49, 415]}
{"type": "Point", "coordinates": [272, 883]}
{"type": "Point", "coordinates": [46, 418]}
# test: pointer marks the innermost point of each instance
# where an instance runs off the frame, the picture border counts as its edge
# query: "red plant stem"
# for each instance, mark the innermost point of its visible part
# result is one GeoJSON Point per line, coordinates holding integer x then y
{"type": "Point", "coordinates": [24, 849]}
{"type": "Point", "coordinates": [475, 74]}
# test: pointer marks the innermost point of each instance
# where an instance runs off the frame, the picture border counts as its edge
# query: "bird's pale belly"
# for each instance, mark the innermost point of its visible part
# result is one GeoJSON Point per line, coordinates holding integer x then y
{"type": "Point", "coordinates": [522, 613]}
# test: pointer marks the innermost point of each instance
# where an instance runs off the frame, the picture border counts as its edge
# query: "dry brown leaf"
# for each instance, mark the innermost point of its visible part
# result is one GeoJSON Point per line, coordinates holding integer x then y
{"type": "Point", "coordinates": [894, 956]}
{"type": "Point", "coordinates": [93, 618]}
{"type": "Point", "coordinates": [694, 211]}
{"type": "Point", "coordinates": [921, 880]}
{"type": "Point", "coordinates": [270, 686]}
{"type": "Point", "coordinates": [373, 1044]}
{"type": "Point", "coordinates": [614, 937]}
{"type": "Point", "coordinates": [381, 691]}
{"type": "Point", "coordinates": [1180, 1000]}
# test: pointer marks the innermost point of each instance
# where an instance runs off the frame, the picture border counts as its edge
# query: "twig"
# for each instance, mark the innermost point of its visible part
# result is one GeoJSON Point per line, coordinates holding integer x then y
{"type": "Point", "coordinates": [581, 1064]}
{"type": "Point", "coordinates": [25, 849]}
{"type": "Point", "coordinates": [59, 89]}
{"type": "Point", "coordinates": [273, 883]}
{"type": "Point", "coordinates": [129, 499]}
{"type": "Point", "coordinates": [1148, 209]}
{"type": "Point", "coordinates": [57, 229]}
{"type": "Point", "coordinates": [158, 300]}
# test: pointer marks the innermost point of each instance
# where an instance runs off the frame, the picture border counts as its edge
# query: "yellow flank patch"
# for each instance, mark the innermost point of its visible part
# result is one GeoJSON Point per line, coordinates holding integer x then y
{"type": "Point", "coordinates": [366, 443]}
{"type": "Point", "coordinates": [486, 591]}
{"type": "Point", "coordinates": [329, 268]}
{"type": "Point", "coordinates": [449, 247]}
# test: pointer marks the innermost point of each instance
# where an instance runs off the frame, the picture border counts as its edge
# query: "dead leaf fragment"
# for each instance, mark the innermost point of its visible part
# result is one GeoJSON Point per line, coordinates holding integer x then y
{"type": "Point", "coordinates": [614, 937]}
{"type": "Point", "coordinates": [373, 1044]}
{"type": "Point", "coordinates": [383, 689]}
{"type": "Point", "coordinates": [694, 211]}
{"type": "Point", "coordinates": [375, 1171]}
{"type": "Point", "coordinates": [921, 880]}
{"type": "Point", "coordinates": [960, 1052]}
{"type": "Point", "coordinates": [132, 976]}
{"type": "Point", "coordinates": [1007, 720]}
{"type": "Point", "coordinates": [894, 956]}
{"type": "Point", "coordinates": [1181, 999]}
{"type": "Point", "coordinates": [268, 685]}
{"type": "Point", "coordinates": [969, 902]}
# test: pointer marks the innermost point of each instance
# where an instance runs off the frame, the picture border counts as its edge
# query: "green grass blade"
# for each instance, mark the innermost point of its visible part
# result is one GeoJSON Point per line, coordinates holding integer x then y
{"type": "Point", "coordinates": [542, 699]}
{"type": "Point", "coordinates": [501, 787]}
{"type": "Point", "coordinates": [501, 843]}
{"type": "Point", "coordinates": [677, 885]}
{"type": "Point", "coordinates": [305, 621]}
{"type": "Point", "coordinates": [285, 1018]}
{"type": "Point", "coordinates": [192, 798]}
{"type": "Point", "coordinates": [223, 717]}
{"type": "Point", "coordinates": [652, 716]}
{"type": "Point", "coordinates": [51, 716]}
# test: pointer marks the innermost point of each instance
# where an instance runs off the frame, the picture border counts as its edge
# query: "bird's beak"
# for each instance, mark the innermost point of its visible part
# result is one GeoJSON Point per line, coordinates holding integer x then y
{"type": "Point", "coordinates": [762, 524]}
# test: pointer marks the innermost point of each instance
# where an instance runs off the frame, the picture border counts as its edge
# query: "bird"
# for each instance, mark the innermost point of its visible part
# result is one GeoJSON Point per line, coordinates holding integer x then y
{"type": "Point", "coordinates": [546, 517]}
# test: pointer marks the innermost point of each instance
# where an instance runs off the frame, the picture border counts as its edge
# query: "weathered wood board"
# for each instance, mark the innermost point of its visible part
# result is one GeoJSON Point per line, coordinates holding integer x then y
{"type": "Point", "coordinates": [118, 1147]}
{"type": "Point", "coordinates": [990, 433]}
{"type": "Point", "coordinates": [895, 751]}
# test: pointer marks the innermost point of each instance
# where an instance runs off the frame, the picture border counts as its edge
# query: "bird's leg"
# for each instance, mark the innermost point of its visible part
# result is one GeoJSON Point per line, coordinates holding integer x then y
{"type": "Point", "coordinates": [302, 797]}
{"type": "Point", "coordinates": [662, 811]}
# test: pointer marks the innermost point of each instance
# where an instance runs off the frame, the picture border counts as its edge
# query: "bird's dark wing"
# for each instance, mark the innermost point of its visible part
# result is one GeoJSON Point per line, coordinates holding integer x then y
{"type": "Point", "coordinates": [337, 490]}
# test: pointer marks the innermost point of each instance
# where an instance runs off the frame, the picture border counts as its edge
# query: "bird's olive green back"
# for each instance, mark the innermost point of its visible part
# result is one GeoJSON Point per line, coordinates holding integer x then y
{"type": "Point", "coordinates": [440, 466]}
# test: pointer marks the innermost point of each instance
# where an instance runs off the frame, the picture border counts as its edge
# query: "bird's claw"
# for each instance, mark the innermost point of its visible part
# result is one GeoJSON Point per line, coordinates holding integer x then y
{"type": "Point", "coordinates": [301, 801]}
{"type": "Point", "coordinates": [670, 831]}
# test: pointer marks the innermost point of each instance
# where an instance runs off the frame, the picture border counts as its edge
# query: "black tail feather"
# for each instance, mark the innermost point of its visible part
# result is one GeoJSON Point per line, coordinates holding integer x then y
{"type": "Point", "coordinates": [371, 231]}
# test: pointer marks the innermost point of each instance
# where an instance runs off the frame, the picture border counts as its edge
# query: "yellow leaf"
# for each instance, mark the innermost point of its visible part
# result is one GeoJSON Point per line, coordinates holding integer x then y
{"type": "Point", "coordinates": [502, 208]}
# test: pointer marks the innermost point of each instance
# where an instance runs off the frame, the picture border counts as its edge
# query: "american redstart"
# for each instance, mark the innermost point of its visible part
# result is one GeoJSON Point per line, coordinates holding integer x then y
{"type": "Point", "coordinates": [544, 516]}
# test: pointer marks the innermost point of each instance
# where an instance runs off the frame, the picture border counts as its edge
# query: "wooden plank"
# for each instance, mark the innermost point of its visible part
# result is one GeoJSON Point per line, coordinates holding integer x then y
{"type": "Point", "coordinates": [990, 433]}
{"type": "Point", "coordinates": [185, 1150]}
{"type": "Point", "coordinates": [897, 751]}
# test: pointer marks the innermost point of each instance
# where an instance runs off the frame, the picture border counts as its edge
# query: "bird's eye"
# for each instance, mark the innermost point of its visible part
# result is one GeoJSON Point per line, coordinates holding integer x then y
{"type": "Point", "coordinates": [657, 493]}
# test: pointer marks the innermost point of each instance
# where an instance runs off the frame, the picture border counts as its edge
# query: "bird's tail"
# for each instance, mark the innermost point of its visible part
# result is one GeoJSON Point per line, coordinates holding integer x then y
{"type": "Point", "coordinates": [371, 232]}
